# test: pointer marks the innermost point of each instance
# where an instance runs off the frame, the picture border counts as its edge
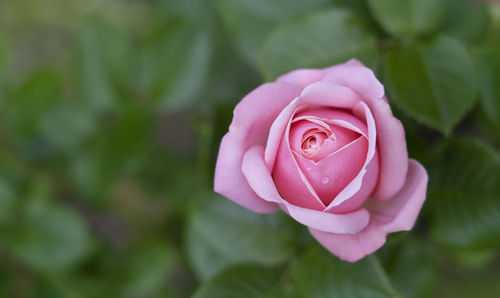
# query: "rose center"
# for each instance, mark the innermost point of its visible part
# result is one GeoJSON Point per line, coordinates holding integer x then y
{"type": "Point", "coordinates": [313, 140]}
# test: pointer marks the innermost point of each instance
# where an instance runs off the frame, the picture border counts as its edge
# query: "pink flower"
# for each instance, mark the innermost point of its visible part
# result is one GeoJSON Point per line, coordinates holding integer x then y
{"type": "Point", "coordinates": [323, 145]}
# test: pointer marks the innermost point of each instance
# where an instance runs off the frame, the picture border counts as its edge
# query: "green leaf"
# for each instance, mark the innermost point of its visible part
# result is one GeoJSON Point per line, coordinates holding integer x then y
{"type": "Point", "coordinates": [249, 22]}
{"type": "Point", "coordinates": [464, 195]}
{"type": "Point", "coordinates": [49, 237]}
{"type": "Point", "coordinates": [320, 274]}
{"type": "Point", "coordinates": [488, 68]}
{"type": "Point", "coordinates": [398, 258]}
{"type": "Point", "coordinates": [302, 43]}
{"type": "Point", "coordinates": [7, 200]}
{"type": "Point", "coordinates": [245, 281]}
{"type": "Point", "coordinates": [434, 82]}
{"type": "Point", "coordinates": [67, 126]}
{"type": "Point", "coordinates": [146, 269]}
{"type": "Point", "coordinates": [407, 18]}
{"type": "Point", "coordinates": [468, 21]}
{"type": "Point", "coordinates": [28, 103]}
{"type": "Point", "coordinates": [104, 65]}
{"type": "Point", "coordinates": [220, 234]}
{"type": "Point", "coordinates": [174, 64]}
{"type": "Point", "coordinates": [118, 147]}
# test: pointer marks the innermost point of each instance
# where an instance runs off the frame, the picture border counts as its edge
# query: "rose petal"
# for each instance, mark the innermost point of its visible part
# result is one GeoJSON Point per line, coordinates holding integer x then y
{"type": "Point", "coordinates": [392, 151]}
{"type": "Point", "coordinates": [252, 119]}
{"type": "Point", "coordinates": [397, 214]}
{"type": "Point", "coordinates": [302, 77]}
{"type": "Point", "coordinates": [290, 179]}
{"type": "Point", "coordinates": [360, 79]}
{"type": "Point", "coordinates": [355, 185]}
{"type": "Point", "coordinates": [230, 181]}
{"type": "Point", "coordinates": [260, 180]}
{"type": "Point", "coordinates": [330, 175]}
{"type": "Point", "coordinates": [330, 95]}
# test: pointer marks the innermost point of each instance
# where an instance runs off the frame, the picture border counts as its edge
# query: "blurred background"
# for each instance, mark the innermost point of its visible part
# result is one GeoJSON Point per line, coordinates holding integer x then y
{"type": "Point", "coordinates": [111, 113]}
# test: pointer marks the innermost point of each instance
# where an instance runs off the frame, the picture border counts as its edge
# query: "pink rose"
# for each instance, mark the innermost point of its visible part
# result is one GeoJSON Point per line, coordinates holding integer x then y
{"type": "Point", "coordinates": [323, 145]}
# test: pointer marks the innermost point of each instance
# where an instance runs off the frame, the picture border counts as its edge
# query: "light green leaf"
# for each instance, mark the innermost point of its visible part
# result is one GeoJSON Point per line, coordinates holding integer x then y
{"type": "Point", "coordinates": [488, 69]}
{"type": "Point", "coordinates": [434, 82]}
{"type": "Point", "coordinates": [317, 40]}
{"type": "Point", "coordinates": [49, 237]}
{"type": "Point", "coordinates": [464, 195]}
{"type": "Point", "coordinates": [320, 274]}
{"type": "Point", "coordinates": [408, 18]}
{"type": "Point", "coordinates": [249, 22]}
{"type": "Point", "coordinates": [221, 233]}
{"type": "Point", "coordinates": [245, 281]}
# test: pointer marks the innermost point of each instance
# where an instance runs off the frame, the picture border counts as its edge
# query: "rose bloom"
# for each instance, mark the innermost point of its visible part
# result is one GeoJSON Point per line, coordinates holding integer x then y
{"type": "Point", "coordinates": [323, 145]}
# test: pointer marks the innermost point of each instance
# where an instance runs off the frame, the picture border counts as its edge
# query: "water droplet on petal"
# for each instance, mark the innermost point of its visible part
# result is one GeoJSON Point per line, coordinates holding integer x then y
{"type": "Point", "coordinates": [308, 169]}
{"type": "Point", "coordinates": [325, 180]}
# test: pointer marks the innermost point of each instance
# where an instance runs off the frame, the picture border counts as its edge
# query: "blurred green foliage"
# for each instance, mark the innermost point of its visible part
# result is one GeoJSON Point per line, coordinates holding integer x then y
{"type": "Point", "coordinates": [111, 113]}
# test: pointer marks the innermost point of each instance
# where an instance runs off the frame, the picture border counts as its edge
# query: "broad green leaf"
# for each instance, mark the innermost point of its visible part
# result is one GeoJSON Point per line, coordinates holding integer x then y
{"type": "Point", "coordinates": [67, 126]}
{"type": "Point", "coordinates": [302, 43]}
{"type": "Point", "coordinates": [408, 18]}
{"type": "Point", "coordinates": [320, 274]}
{"type": "Point", "coordinates": [49, 237]}
{"type": "Point", "coordinates": [146, 270]}
{"type": "Point", "coordinates": [27, 104]}
{"type": "Point", "coordinates": [3, 69]}
{"type": "Point", "coordinates": [118, 147]}
{"type": "Point", "coordinates": [464, 195]}
{"type": "Point", "coordinates": [174, 64]}
{"type": "Point", "coordinates": [488, 69]}
{"type": "Point", "coordinates": [244, 281]}
{"type": "Point", "coordinates": [434, 82]}
{"type": "Point", "coordinates": [220, 234]}
{"type": "Point", "coordinates": [6, 203]}
{"type": "Point", "coordinates": [103, 64]}
{"type": "Point", "coordinates": [468, 21]}
{"type": "Point", "coordinates": [249, 22]}
{"type": "Point", "coordinates": [411, 267]}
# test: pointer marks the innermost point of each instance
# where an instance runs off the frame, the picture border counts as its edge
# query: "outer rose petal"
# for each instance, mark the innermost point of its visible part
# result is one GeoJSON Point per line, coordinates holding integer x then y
{"type": "Point", "coordinates": [251, 123]}
{"type": "Point", "coordinates": [302, 77]}
{"type": "Point", "coordinates": [229, 180]}
{"type": "Point", "coordinates": [392, 151]}
{"type": "Point", "coordinates": [359, 78]}
{"type": "Point", "coordinates": [261, 182]}
{"type": "Point", "coordinates": [397, 214]}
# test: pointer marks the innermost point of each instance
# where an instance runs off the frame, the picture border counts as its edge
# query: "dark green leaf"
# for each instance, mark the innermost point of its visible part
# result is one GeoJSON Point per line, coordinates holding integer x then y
{"type": "Point", "coordinates": [464, 195]}
{"type": "Point", "coordinates": [6, 203]}
{"type": "Point", "coordinates": [104, 64]}
{"type": "Point", "coordinates": [468, 21]}
{"type": "Point", "coordinates": [411, 267]}
{"type": "Point", "coordinates": [67, 126]}
{"type": "Point", "coordinates": [174, 64]}
{"type": "Point", "coordinates": [27, 105]}
{"type": "Point", "coordinates": [301, 43]}
{"type": "Point", "coordinates": [434, 82]}
{"type": "Point", "coordinates": [488, 68]}
{"type": "Point", "coordinates": [246, 281]}
{"type": "Point", "coordinates": [220, 234]}
{"type": "Point", "coordinates": [249, 22]}
{"type": "Point", "coordinates": [50, 237]}
{"type": "Point", "coordinates": [320, 274]}
{"type": "Point", "coordinates": [408, 18]}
